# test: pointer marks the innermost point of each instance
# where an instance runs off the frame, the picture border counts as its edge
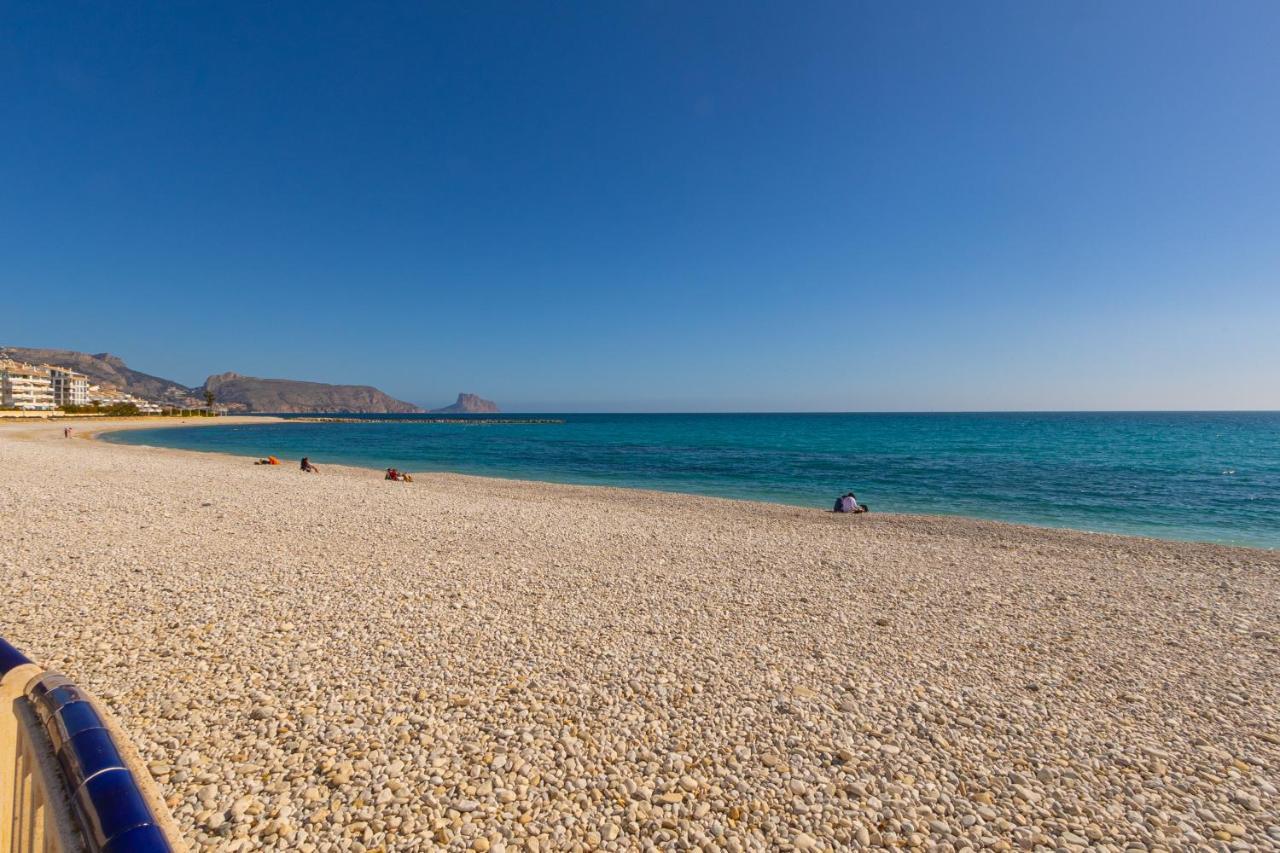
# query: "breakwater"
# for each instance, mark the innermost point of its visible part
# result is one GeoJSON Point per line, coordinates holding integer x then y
{"type": "Point", "coordinates": [463, 421]}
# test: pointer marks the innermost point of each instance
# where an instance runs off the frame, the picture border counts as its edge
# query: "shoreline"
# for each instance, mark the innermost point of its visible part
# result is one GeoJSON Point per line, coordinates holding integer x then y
{"type": "Point", "coordinates": [91, 427]}
{"type": "Point", "coordinates": [309, 662]}
{"type": "Point", "coordinates": [263, 419]}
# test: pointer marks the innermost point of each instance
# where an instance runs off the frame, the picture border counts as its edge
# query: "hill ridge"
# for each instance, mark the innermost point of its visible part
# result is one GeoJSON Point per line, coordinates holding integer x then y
{"type": "Point", "coordinates": [236, 391]}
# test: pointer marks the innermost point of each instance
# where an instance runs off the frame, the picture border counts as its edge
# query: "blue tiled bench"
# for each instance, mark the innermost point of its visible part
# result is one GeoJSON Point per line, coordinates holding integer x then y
{"type": "Point", "coordinates": [66, 781]}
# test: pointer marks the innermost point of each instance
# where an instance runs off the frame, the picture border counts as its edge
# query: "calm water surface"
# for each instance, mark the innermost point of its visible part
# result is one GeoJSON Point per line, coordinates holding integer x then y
{"type": "Point", "coordinates": [1202, 476]}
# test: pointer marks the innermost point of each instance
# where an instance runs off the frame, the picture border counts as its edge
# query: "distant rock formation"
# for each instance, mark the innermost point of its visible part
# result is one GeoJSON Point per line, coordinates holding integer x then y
{"type": "Point", "coordinates": [469, 404]}
{"type": "Point", "coordinates": [251, 394]}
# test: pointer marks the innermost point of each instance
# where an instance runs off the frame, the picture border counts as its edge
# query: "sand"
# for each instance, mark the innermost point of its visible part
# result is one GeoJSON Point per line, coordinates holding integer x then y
{"type": "Point", "coordinates": [337, 662]}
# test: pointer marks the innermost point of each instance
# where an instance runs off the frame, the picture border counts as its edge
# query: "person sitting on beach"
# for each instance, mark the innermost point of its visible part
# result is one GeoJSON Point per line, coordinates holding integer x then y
{"type": "Point", "coordinates": [392, 474]}
{"type": "Point", "coordinates": [848, 502]}
{"type": "Point", "coordinates": [308, 467]}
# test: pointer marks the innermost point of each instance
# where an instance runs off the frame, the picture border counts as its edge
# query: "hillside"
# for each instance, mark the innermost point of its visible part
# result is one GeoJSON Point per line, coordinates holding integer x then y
{"type": "Point", "coordinates": [251, 394]}
{"type": "Point", "coordinates": [106, 369]}
{"type": "Point", "coordinates": [469, 404]}
{"type": "Point", "coordinates": [237, 393]}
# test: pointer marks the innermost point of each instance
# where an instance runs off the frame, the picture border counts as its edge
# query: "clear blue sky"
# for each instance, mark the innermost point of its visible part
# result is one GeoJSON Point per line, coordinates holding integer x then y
{"type": "Point", "coordinates": [655, 206]}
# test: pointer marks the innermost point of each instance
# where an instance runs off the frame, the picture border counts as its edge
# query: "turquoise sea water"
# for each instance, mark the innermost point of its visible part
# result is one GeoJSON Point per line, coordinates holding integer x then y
{"type": "Point", "coordinates": [1201, 476]}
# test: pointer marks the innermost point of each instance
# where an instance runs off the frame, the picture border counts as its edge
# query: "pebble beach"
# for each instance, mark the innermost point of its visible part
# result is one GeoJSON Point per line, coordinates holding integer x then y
{"type": "Point", "coordinates": [336, 662]}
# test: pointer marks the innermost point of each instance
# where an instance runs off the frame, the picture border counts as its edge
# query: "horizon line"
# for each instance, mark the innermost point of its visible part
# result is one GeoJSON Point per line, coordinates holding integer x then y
{"type": "Point", "coordinates": [506, 412]}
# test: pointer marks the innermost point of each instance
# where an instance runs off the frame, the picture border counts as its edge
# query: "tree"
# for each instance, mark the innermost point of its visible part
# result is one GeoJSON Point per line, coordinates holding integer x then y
{"type": "Point", "coordinates": [208, 398]}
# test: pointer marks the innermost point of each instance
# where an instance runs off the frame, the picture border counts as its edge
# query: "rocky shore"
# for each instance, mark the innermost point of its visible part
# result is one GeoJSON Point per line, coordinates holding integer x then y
{"type": "Point", "coordinates": [335, 662]}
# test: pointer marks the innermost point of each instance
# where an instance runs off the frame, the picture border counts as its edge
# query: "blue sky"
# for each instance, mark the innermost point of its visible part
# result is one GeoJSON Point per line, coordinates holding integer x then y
{"type": "Point", "coordinates": [655, 206]}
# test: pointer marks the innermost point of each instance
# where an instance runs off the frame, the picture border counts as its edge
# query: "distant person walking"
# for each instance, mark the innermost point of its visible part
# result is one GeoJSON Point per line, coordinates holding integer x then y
{"type": "Point", "coordinates": [308, 467]}
{"type": "Point", "coordinates": [66, 432]}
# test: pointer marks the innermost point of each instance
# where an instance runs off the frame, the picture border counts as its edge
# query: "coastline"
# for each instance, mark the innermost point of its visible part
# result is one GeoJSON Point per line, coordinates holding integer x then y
{"type": "Point", "coordinates": [141, 423]}
{"type": "Point", "coordinates": [693, 502]}
{"type": "Point", "coordinates": [334, 659]}
{"type": "Point", "coordinates": [969, 516]}
{"type": "Point", "coordinates": [26, 429]}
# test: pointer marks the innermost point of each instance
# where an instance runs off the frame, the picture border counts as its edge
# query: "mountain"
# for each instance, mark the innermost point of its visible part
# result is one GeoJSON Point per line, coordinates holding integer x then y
{"type": "Point", "coordinates": [469, 404]}
{"type": "Point", "coordinates": [235, 392]}
{"type": "Point", "coordinates": [251, 394]}
{"type": "Point", "coordinates": [106, 369]}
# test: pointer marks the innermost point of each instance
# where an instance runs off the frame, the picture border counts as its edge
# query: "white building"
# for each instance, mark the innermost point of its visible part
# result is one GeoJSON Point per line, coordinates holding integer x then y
{"type": "Point", "coordinates": [25, 386]}
{"type": "Point", "coordinates": [106, 395]}
{"type": "Point", "coordinates": [69, 388]}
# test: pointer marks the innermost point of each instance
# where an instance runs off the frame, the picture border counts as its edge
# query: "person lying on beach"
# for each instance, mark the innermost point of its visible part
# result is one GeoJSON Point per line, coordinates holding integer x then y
{"type": "Point", "coordinates": [270, 460]}
{"type": "Point", "coordinates": [308, 467]}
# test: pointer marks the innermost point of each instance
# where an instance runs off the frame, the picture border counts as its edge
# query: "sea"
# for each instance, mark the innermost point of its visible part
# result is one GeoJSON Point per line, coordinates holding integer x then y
{"type": "Point", "coordinates": [1202, 476]}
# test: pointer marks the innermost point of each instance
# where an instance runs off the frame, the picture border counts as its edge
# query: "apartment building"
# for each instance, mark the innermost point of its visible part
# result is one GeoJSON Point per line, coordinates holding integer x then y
{"type": "Point", "coordinates": [108, 395]}
{"type": "Point", "coordinates": [69, 388]}
{"type": "Point", "coordinates": [25, 386]}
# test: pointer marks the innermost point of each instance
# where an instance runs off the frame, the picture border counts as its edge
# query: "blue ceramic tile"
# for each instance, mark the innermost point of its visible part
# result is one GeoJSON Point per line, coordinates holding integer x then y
{"type": "Point", "coordinates": [75, 717]}
{"type": "Point", "coordinates": [111, 805]}
{"type": "Point", "coordinates": [50, 692]}
{"type": "Point", "coordinates": [10, 658]}
{"type": "Point", "coordinates": [89, 752]}
{"type": "Point", "coordinates": [70, 720]}
{"type": "Point", "coordinates": [65, 695]}
{"type": "Point", "coordinates": [44, 683]}
{"type": "Point", "coordinates": [141, 839]}
{"type": "Point", "coordinates": [38, 692]}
